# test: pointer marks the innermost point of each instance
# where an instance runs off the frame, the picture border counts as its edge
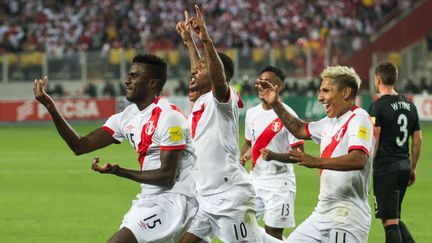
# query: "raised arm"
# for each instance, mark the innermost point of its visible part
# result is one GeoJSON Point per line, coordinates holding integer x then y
{"type": "Point", "coordinates": [214, 64]}
{"type": "Point", "coordinates": [164, 176]}
{"type": "Point", "coordinates": [96, 139]}
{"type": "Point", "coordinates": [294, 125]}
{"type": "Point", "coordinates": [415, 154]}
{"type": "Point", "coordinates": [183, 29]}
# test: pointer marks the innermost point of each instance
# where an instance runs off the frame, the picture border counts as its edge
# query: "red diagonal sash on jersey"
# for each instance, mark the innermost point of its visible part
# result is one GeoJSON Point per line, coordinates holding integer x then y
{"type": "Point", "coordinates": [328, 151]}
{"type": "Point", "coordinates": [147, 135]}
{"type": "Point", "coordinates": [195, 119]}
{"type": "Point", "coordinates": [264, 139]}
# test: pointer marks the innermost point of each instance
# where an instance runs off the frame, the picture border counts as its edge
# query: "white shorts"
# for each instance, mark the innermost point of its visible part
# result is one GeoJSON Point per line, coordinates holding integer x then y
{"type": "Point", "coordinates": [229, 215]}
{"type": "Point", "coordinates": [276, 203]}
{"type": "Point", "coordinates": [160, 217]}
{"type": "Point", "coordinates": [317, 229]}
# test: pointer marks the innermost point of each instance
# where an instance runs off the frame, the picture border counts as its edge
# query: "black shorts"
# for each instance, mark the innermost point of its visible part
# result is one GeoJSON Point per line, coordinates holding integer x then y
{"type": "Point", "coordinates": [389, 191]}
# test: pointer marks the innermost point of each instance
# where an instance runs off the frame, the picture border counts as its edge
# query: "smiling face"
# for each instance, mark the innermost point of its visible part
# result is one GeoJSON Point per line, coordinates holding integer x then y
{"type": "Point", "coordinates": [272, 78]}
{"type": "Point", "coordinates": [138, 86]}
{"type": "Point", "coordinates": [334, 98]}
{"type": "Point", "coordinates": [200, 81]}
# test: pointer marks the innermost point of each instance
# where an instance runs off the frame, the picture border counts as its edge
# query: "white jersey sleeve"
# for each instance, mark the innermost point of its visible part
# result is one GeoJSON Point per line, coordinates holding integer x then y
{"type": "Point", "coordinates": [171, 132]}
{"type": "Point", "coordinates": [233, 100]}
{"type": "Point", "coordinates": [112, 125]}
{"type": "Point", "coordinates": [360, 131]}
{"type": "Point", "coordinates": [293, 141]}
{"type": "Point", "coordinates": [315, 129]}
{"type": "Point", "coordinates": [247, 127]}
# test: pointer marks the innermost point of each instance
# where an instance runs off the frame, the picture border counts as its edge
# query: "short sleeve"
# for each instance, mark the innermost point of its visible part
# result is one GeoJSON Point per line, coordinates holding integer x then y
{"type": "Point", "coordinates": [374, 113]}
{"type": "Point", "coordinates": [173, 131]}
{"type": "Point", "coordinates": [234, 102]}
{"type": "Point", "coordinates": [314, 129]}
{"type": "Point", "coordinates": [361, 132]}
{"type": "Point", "coordinates": [293, 141]}
{"type": "Point", "coordinates": [112, 125]}
{"type": "Point", "coordinates": [247, 127]}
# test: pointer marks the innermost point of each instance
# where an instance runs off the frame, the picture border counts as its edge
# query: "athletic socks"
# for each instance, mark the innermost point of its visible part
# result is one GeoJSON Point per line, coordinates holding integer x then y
{"type": "Point", "coordinates": [393, 234]}
{"type": "Point", "coordinates": [406, 235]}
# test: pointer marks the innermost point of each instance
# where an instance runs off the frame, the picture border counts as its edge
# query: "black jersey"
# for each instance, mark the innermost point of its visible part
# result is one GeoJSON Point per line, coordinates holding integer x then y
{"type": "Point", "coordinates": [398, 119]}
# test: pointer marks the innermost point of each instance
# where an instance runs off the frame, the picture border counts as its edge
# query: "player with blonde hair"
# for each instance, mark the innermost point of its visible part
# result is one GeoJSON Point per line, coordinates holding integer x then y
{"type": "Point", "coordinates": [346, 148]}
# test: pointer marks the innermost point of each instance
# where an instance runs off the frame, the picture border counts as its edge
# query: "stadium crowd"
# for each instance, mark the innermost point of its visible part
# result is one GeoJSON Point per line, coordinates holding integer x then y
{"type": "Point", "coordinates": [59, 27]}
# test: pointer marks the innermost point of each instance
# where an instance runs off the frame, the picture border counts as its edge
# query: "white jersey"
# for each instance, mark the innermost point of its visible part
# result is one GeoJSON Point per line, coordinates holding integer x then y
{"type": "Point", "coordinates": [160, 126]}
{"type": "Point", "coordinates": [264, 129]}
{"type": "Point", "coordinates": [345, 192]}
{"type": "Point", "coordinates": [215, 139]}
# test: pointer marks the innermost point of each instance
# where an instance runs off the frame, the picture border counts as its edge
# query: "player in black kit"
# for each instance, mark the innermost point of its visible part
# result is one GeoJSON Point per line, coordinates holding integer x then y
{"type": "Point", "coordinates": [396, 120]}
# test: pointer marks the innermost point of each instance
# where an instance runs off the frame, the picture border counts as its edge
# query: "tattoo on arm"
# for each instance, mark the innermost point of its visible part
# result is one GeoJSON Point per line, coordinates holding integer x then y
{"type": "Point", "coordinates": [193, 55]}
{"type": "Point", "coordinates": [293, 124]}
{"type": "Point", "coordinates": [216, 72]}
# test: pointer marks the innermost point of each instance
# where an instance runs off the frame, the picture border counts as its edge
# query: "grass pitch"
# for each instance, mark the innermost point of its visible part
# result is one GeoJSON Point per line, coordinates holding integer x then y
{"type": "Point", "coordinates": [47, 194]}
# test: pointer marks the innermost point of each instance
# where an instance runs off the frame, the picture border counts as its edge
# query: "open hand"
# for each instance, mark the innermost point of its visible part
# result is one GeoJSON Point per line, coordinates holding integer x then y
{"type": "Point", "coordinates": [39, 91]}
{"type": "Point", "coordinates": [267, 154]}
{"type": "Point", "coordinates": [267, 91]}
{"type": "Point", "coordinates": [303, 158]}
{"type": "Point", "coordinates": [412, 178]}
{"type": "Point", "coordinates": [107, 168]}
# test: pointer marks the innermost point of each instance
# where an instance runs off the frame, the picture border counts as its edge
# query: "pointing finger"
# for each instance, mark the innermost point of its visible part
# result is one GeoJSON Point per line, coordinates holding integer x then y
{"type": "Point", "coordinates": [186, 14]}
{"type": "Point", "coordinates": [198, 12]}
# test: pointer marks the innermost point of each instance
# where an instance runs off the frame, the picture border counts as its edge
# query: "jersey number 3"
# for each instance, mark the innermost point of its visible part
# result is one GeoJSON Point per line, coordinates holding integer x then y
{"type": "Point", "coordinates": [402, 122]}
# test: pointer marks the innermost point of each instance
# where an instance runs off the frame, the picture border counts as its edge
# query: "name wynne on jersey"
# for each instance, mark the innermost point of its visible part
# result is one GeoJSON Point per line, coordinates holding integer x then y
{"type": "Point", "coordinates": [401, 105]}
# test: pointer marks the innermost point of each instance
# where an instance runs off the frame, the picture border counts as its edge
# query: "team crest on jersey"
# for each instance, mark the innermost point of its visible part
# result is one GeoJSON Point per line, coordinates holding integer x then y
{"type": "Point", "coordinates": [340, 133]}
{"type": "Point", "coordinates": [276, 127]}
{"type": "Point", "coordinates": [129, 128]}
{"type": "Point", "coordinates": [150, 128]}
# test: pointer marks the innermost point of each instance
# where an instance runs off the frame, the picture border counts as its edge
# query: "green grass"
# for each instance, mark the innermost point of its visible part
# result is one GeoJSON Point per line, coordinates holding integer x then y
{"type": "Point", "coordinates": [49, 195]}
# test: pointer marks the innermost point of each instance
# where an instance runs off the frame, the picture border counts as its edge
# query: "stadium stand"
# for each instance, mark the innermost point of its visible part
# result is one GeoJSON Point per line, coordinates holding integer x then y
{"type": "Point", "coordinates": [51, 36]}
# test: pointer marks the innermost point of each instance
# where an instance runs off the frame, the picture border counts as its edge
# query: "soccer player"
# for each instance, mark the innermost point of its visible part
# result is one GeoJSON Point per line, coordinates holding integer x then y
{"type": "Point", "coordinates": [161, 136]}
{"type": "Point", "coordinates": [396, 120]}
{"type": "Point", "coordinates": [346, 144]}
{"type": "Point", "coordinates": [226, 195]}
{"type": "Point", "coordinates": [267, 142]}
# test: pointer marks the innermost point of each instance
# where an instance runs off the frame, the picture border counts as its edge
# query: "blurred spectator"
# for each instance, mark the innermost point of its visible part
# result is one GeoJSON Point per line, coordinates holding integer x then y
{"type": "Point", "coordinates": [411, 88]}
{"type": "Point", "coordinates": [182, 89]}
{"type": "Point", "coordinates": [90, 90]}
{"type": "Point", "coordinates": [108, 90]}
{"type": "Point", "coordinates": [149, 25]}
{"type": "Point", "coordinates": [429, 40]}
{"type": "Point", "coordinates": [424, 86]}
{"type": "Point", "coordinates": [122, 89]}
{"type": "Point", "coordinates": [310, 88]}
{"type": "Point", "coordinates": [58, 91]}
{"type": "Point", "coordinates": [248, 87]}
